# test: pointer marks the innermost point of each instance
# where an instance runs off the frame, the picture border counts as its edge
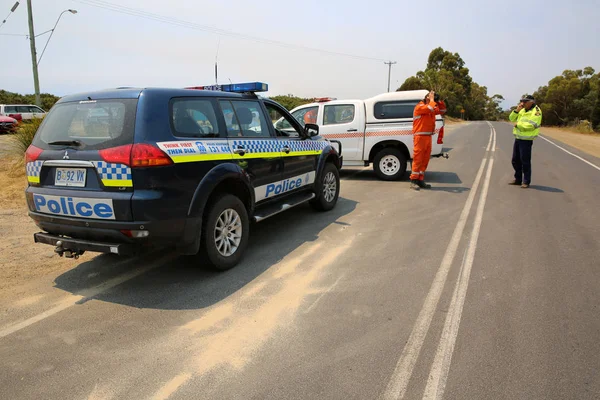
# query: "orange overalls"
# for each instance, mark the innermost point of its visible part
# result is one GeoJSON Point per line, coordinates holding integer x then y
{"type": "Point", "coordinates": [423, 129]}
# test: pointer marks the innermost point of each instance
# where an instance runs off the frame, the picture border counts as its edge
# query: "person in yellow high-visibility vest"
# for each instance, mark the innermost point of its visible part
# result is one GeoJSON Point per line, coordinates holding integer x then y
{"type": "Point", "coordinates": [528, 118]}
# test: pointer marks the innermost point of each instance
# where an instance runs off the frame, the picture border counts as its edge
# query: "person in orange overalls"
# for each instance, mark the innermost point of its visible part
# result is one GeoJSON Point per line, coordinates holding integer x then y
{"type": "Point", "coordinates": [310, 117]}
{"type": "Point", "coordinates": [423, 128]}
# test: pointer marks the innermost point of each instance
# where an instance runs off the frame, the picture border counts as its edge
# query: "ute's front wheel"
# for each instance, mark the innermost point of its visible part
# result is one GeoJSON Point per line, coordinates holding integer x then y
{"type": "Point", "coordinates": [225, 232]}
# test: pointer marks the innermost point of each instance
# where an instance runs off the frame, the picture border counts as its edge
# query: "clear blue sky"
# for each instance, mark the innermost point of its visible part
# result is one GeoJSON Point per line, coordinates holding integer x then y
{"type": "Point", "coordinates": [510, 47]}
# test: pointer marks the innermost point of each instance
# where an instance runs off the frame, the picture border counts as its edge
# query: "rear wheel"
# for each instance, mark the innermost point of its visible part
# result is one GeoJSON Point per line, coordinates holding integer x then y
{"type": "Point", "coordinates": [327, 190]}
{"type": "Point", "coordinates": [225, 233]}
{"type": "Point", "coordinates": [390, 164]}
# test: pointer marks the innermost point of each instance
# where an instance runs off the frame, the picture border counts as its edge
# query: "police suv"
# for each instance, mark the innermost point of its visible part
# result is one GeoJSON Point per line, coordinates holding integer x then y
{"type": "Point", "coordinates": [123, 170]}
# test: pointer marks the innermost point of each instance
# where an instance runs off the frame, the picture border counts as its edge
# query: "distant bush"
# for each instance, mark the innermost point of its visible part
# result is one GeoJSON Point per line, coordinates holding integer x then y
{"type": "Point", "coordinates": [22, 139]}
{"type": "Point", "coordinates": [583, 127]}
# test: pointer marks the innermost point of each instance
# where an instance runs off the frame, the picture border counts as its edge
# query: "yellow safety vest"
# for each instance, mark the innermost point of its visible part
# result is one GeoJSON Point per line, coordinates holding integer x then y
{"type": "Point", "coordinates": [528, 123]}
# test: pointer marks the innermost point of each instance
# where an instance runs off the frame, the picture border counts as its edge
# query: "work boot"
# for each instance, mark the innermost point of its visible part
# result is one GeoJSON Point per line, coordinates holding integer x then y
{"type": "Point", "coordinates": [525, 185]}
{"type": "Point", "coordinates": [514, 182]}
{"type": "Point", "coordinates": [414, 185]}
{"type": "Point", "coordinates": [423, 185]}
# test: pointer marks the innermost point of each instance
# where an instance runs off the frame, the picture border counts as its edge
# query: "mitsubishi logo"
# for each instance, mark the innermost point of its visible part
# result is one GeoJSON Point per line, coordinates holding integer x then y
{"type": "Point", "coordinates": [66, 156]}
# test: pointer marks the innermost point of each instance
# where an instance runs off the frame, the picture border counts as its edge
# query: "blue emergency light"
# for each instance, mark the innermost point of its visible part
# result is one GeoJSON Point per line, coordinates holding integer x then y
{"type": "Point", "coordinates": [236, 87]}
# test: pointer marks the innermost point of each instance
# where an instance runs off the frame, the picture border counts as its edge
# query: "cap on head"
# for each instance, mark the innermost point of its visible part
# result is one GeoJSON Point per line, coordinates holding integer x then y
{"type": "Point", "coordinates": [527, 98]}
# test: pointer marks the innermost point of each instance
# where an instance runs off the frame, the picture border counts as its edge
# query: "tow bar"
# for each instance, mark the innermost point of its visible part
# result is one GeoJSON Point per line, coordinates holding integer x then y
{"type": "Point", "coordinates": [67, 252]}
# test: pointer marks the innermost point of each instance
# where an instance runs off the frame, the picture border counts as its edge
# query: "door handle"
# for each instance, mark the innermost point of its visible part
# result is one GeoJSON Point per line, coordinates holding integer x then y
{"type": "Point", "coordinates": [286, 149]}
{"type": "Point", "coordinates": [352, 130]}
{"type": "Point", "coordinates": [240, 150]}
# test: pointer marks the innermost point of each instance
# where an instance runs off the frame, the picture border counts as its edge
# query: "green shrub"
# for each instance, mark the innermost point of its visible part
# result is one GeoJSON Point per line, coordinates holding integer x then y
{"type": "Point", "coordinates": [23, 137]}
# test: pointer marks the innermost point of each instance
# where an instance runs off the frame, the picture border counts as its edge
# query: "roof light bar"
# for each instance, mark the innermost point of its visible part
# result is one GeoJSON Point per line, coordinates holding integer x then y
{"type": "Point", "coordinates": [235, 87]}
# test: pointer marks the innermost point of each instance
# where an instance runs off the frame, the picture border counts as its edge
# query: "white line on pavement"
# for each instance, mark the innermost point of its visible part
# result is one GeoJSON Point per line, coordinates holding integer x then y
{"type": "Point", "coordinates": [574, 155]}
{"type": "Point", "coordinates": [85, 294]}
{"type": "Point", "coordinates": [436, 384]}
{"type": "Point", "coordinates": [404, 368]}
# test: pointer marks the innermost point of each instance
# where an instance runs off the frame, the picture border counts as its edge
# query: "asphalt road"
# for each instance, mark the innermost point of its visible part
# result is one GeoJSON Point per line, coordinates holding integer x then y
{"type": "Point", "coordinates": [471, 290]}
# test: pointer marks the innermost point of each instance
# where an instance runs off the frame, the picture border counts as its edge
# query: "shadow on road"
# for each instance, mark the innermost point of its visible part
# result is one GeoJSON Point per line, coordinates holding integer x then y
{"type": "Point", "coordinates": [546, 189]}
{"type": "Point", "coordinates": [185, 284]}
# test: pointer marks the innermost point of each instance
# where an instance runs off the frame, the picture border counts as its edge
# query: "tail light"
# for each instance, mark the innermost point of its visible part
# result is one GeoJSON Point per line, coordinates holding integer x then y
{"type": "Point", "coordinates": [32, 154]}
{"type": "Point", "coordinates": [136, 155]}
{"type": "Point", "coordinates": [441, 136]}
{"type": "Point", "coordinates": [146, 155]}
{"type": "Point", "coordinates": [117, 155]}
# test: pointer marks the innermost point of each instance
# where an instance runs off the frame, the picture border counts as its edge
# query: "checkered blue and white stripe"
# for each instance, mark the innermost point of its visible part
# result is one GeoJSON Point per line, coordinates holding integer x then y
{"type": "Point", "coordinates": [34, 168]}
{"type": "Point", "coordinates": [111, 171]}
{"type": "Point", "coordinates": [259, 146]}
{"type": "Point", "coordinates": [275, 146]}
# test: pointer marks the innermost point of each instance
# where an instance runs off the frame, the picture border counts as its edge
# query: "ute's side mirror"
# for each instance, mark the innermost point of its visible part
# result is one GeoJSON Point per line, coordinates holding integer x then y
{"type": "Point", "coordinates": [311, 130]}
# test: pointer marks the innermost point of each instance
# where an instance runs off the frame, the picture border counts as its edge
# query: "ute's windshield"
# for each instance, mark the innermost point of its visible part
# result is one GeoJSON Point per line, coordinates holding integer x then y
{"type": "Point", "coordinates": [88, 125]}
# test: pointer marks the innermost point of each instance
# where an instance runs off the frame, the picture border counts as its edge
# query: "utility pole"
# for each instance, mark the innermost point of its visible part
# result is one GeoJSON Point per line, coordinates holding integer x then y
{"type": "Point", "coordinates": [389, 64]}
{"type": "Point", "coordinates": [36, 82]}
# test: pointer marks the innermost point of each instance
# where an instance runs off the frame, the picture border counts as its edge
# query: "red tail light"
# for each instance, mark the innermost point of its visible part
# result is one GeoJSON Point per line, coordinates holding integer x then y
{"type": "Point", "coordinates": [441, 136]}
{"type": "Point", "coordinates": [32, 153]}
{"type": "Point", "coordinates": [117, 155]}
{"type": "Point", "coordinates": [146, 155]}
{"type": "Point", "coordinates": [136, 155]}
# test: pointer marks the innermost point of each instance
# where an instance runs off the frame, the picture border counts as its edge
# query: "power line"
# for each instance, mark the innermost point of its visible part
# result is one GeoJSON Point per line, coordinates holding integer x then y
{"type": "Point", "coordinates": [12, 10]}
{"type": "Point", "coordinates": [205, 28]}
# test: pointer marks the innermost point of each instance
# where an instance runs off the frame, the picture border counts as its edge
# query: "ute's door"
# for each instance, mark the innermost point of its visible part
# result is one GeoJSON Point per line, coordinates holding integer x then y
{"type": "Point", "coordinates": [344, 122]}
{"type": "Point", "coordinates": [254, 147]}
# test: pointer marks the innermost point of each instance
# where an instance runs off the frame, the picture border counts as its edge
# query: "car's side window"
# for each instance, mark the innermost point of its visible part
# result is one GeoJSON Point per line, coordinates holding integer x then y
{"type": "Point", "coordinates": [10, 110]}
{"type": "Point", "coordinates": [281, 122]}
{"type": "Point", "coordinates": [244, 119]}
{"type": "Point", "coordinates": [306, 115]}
{"type": "Point", "coordinates": [338, 114]}
{"type": "Point", "coordinates": [37, 110]}
{"type": "Point", "coordinates": [193, 117]}
{"type": "Point", "coordinates": [22, 109]}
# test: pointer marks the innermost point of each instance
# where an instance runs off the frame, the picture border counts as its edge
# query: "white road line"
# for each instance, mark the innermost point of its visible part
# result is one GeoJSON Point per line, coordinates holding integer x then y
{"type": "Point", "coordinates": [404, 368]}
{"type": "Point", "coordinates": [436, 384]}
{"type": "Point", "coordinates": [85, 294]}
{"type": "Point", "coordinates": [574, 155]}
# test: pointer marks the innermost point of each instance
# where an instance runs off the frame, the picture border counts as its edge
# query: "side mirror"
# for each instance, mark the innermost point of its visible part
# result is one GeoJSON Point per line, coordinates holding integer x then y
{"type": "Point", "coordinates": [311, 130]}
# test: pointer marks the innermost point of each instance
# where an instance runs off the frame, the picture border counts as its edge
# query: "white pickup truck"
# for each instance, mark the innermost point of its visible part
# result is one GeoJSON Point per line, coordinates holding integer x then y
{"type": "Point", "coordinates": [376, 130]}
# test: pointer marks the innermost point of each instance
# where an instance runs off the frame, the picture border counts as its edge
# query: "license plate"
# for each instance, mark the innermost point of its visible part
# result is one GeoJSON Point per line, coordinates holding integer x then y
{"type": "Point", "coordinates": [70, 177]}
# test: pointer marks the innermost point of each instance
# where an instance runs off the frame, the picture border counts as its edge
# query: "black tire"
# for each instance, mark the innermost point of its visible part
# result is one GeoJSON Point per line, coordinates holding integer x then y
{"type": "Point", "coordinates": [390, 164]}
{"type": "Point", "coordinates": [326, 193]}
{"type": "Point", "coordinates": [209, 251]}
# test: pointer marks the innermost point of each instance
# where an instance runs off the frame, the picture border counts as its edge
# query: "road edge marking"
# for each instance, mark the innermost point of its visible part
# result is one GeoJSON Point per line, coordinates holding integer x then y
{"type": "Point", "coordinates": [568, 152]}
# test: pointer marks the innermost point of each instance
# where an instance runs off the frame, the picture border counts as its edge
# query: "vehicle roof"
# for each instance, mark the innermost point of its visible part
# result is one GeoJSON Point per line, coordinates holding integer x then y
{"type": "Point", "coordinates": [12, 105]}
{"type": "Point", "coordinates": [402, 95]}
{"type": "Point", "coordinates": [134, 93]}
{"type": "Point", "coordinates": [330, 102]}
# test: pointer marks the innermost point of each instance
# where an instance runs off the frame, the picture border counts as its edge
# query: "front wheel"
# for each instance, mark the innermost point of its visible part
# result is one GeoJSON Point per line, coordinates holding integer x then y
{"type": "Point", "coordinates": [390, 164]}
{"type": "Point", "coordinates": [225, 233]}
{"type": "Point", "coordinates": [327, 190]}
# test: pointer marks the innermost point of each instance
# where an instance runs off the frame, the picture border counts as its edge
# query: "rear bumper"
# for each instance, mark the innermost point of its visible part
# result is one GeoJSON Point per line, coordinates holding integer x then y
{"type": "Point", "coordinates": [102, 236]}
{"type": "Point", "coordinates": [79, 246]}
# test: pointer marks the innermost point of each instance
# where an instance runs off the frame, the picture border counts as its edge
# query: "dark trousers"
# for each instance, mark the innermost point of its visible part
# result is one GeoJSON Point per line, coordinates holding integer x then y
{"type": "Point", "coordinates": [521, 160]}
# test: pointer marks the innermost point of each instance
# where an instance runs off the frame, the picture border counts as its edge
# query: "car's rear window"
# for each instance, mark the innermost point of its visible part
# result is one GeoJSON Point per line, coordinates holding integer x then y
{"type": "Point", "coordinates": [95, 124]}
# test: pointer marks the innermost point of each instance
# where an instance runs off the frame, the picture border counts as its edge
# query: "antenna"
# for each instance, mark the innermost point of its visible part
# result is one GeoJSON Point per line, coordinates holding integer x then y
{"type": "Point", "coordinates": [217, 63]}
